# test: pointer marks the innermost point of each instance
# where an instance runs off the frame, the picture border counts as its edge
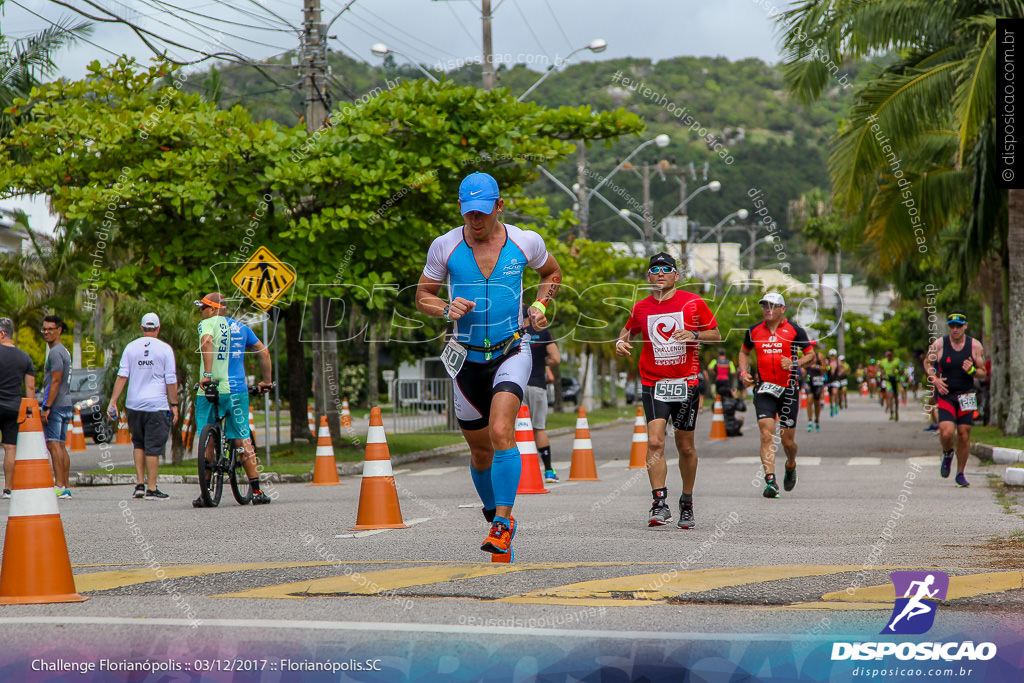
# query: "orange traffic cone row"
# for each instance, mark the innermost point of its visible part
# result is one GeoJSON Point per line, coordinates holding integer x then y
{"type": "Point", "coordinates": [36, 567]}
{"type": "Point", "coordinates": [803, 399]}
{"type": "Point", "coordinates": [378, 496]}
{"type": "Point", "coordinates": [123, 436]}
{"type": "Point", "coordinates": [718, 422]}
{"type": "Point", "coordinates": [325, 468]}
{"type": "Point", "coordinates": [309, 418]}
{"type": "Point", "coordinates": [531, 480]}
{"type": "Point", "coordinates": [75, 440]}
{"type": "Point", "coordinates": [346, 417]}
{"type": "Point", "coordinates": [582, 467]}
{"type": "Point", "coordinates": [638, 452]}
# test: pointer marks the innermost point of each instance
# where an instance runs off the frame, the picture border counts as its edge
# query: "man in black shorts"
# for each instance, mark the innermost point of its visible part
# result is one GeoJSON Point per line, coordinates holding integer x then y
{"type": "Point", "coordinates": [15, 367]}
{"type": "Point", "coordinates": [779, 346]}
{"type": "Point", "coordinates": [951, 365]}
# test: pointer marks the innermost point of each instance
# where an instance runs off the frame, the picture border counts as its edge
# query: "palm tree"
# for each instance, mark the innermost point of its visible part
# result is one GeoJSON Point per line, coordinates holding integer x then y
{"type": "Point", "coordinates": [916, 157]}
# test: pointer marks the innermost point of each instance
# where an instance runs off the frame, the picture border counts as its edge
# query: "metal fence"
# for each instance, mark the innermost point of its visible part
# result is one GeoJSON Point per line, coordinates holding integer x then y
{"type": "Point", "coordinates": [422, 405]}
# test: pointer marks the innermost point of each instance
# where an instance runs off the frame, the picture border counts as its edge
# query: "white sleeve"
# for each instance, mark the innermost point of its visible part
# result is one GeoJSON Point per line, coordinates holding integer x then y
{"type": "Point", "coordinates": [436, 267]}
{"type": "Point", "coordinates": [170, 371]}
{"type": "Point", "coordinates": [122, 369]}
{"type": "Point", "coordinates": [533, 247]}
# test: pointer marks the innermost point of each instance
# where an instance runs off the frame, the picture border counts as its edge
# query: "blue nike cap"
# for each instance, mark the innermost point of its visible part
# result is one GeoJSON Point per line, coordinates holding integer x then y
{"type": "Point", "coordinates": [478, 192]}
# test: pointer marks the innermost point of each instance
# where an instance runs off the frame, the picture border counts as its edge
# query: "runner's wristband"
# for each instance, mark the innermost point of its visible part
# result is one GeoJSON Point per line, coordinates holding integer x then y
{"type": "Point", "coordinates": [971, 371]}
{"type": "Point", "coordinates": [539, 305]}
{"type": "Point", "coordinates": [444, 313]}
{"type": "Point", "coordinates": [208, 374]}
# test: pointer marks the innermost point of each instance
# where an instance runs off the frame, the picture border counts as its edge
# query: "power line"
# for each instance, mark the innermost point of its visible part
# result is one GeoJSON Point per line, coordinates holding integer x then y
{"type": "Point", "coordinates": [456, 15]}
{"type": "Point", "coordinates": [558, 24]}
{"type": "Point", "coordinates": [263, 7]}
{"type": "Point", "coordinates": [204, 27]}
{"type": "Point", "coordinates": [416, 51]}
{"type": "Point", "coordinates": [84, 40]}
{"type": "Point", "coordinates": [226, 21]}
{"type": "Point", "coordinates": [519, 9]}
{"type": "Point", "coordinates": [437, 50]}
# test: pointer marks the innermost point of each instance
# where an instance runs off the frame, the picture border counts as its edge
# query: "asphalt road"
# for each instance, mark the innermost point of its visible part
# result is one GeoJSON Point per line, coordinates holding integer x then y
{"type": "Point", "coordinates": [759, 580]}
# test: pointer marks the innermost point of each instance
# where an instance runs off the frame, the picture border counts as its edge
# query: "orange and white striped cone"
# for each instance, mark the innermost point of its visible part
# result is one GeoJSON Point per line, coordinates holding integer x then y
{"type": "Point", "coordinates": [325, 468]}
{"type": "Point", "coordinates": [123, 435]}
{"type": "Point", "coordinates": [378, 496]}
{"type": "Point", "coordinates": [186, 425]}
{"type": "Point", "coordinates": [252, 422]}
{"type": "Point", "coordinates": [188, 431]}
{"type": "Point", "coordinates": [75, 440]}
{"type": "Point", "coordinates": [530, 479]}
{"type": "Point", "coordinates": [309, 418]}
{"type": "Point", "coordinates": [803, 399]}
{"type": "Point", "coordinates": [36, 567]}
{"type": "Point", "coordinates": [718, 422]}
{"type": "Point", "coordinates": [638, 451]}
{"type": "Point", "coordinates": [863, 388]}
{"type": "Point", "coordinates": [826, 401]}
{"type": "Point", "coordinates": [346, 417]}
{"type": "Point", "coordinates": [583, 467]}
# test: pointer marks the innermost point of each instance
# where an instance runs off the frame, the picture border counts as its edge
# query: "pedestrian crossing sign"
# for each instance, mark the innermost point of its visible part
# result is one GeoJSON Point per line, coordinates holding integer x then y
{"type": "Point", "coordinates": [264, 278]}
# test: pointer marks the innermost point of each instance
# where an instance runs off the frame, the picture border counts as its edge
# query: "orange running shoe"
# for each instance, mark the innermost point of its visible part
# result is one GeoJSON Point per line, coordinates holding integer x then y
{"type": "Point", "coordinates": [499, 541]}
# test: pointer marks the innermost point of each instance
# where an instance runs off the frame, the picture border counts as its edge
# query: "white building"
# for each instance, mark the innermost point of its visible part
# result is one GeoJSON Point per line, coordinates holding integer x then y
{"type": "Point", "coordinates": [11, 237]}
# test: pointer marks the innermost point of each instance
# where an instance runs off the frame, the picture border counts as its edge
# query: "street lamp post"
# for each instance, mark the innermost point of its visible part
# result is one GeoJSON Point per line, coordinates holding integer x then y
{"type": "Point", "coordinates": [714, 186]}
{"type": "Point", "coordinates": [741, 214]}
{"type": "Point", "coordinates": [382, 50]}
{"type": "Point", "coordinates": [595, 46]}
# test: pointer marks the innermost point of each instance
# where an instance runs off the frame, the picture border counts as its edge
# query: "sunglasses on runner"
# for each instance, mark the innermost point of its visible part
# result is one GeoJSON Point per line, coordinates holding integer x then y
{"type": "Point", "coordinates": [661, 269]}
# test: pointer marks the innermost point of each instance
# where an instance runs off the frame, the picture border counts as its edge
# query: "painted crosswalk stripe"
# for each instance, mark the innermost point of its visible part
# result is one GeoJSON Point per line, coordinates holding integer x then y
{"type": "Point", "coordinates": [435, 472]}
{"type": "Point", "coordinates": [744, 460]}
{"type": "Point", "coordinates": [373, 532]}
{"type": "Point", "coordinates": [864, 461]}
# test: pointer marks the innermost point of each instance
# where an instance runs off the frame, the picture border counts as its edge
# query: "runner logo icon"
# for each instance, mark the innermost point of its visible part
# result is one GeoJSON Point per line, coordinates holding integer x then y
{"type": "Point", "coordinates": [917, 594]}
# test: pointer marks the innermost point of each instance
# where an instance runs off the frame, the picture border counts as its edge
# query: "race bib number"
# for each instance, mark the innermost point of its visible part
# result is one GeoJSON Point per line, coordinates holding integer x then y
{"type": "Point", "coordinates": [818, 380]}
{"type": "Point", "coordinates": [671, 390]}
{"type": "Point", "coordinates": [453, 356]}
{"type": "Point", "coordinates": [968, 401]}
{"type": "Point", "coordinates": [769, 388]}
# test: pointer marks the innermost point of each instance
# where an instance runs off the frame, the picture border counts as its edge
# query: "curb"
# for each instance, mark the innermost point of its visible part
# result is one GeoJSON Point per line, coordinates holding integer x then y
{"type": "Point", "coordinates": [1013, 476]}
{"type": "Point", "coordinates": [345, 469]}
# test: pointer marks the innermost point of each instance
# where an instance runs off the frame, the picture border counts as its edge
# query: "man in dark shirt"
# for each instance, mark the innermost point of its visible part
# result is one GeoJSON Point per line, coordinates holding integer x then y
{"type": "Point", "coordinates": [15, 367]}
{"type": "Point", "coordinates": [545, 356]}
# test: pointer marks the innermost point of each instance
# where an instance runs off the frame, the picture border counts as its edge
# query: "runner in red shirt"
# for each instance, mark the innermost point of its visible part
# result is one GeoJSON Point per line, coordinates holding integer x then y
{"type": "Point", "coordinates": [672, 323]}
{"type": "Point", "coordinates": [777, 344]}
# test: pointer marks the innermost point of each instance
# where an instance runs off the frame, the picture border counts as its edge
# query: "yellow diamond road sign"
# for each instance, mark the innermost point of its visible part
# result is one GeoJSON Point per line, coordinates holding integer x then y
{"type": "Point", "coordinates": [264, 278]}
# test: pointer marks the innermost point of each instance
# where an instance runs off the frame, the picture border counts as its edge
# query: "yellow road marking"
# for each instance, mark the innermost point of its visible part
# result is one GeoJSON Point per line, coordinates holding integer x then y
{"type": "Point", "coordinates": [835, 606]}
{"type": "Point", "coordinates": [959, 587]}
{"type": "Point", "coordinates": [101, 581]}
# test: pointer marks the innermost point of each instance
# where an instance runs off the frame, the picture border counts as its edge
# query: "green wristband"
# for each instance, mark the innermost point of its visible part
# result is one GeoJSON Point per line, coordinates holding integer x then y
{"type": "Point", "coordinates": [971, 371]}
{"type": "Point", "coordinates": [539, 305]}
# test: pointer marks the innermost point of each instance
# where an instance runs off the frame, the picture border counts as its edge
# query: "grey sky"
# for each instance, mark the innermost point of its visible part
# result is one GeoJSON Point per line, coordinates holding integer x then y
{"type": "Point", "coordinates": [443, 34]}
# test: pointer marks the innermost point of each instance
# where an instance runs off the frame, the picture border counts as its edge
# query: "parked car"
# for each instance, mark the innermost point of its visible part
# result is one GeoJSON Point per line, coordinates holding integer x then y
{"type": "Point", "coordinates": [570, 390]}
{"type": "Point", "coordinates": [88, 396]}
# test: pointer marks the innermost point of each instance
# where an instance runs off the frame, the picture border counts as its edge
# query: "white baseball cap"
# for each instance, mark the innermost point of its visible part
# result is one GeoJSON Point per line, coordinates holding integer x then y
{"type": "Point", "coordinates": [150, 321]}
{"type": "Point", "coordinates": [773, 298]}
{"type": "Point", "coordinates": [831, 352]}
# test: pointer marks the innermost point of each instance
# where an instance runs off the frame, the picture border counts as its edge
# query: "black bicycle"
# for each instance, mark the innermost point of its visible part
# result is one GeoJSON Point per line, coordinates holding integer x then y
{"type": "Point", "coordinates": [217, 458]}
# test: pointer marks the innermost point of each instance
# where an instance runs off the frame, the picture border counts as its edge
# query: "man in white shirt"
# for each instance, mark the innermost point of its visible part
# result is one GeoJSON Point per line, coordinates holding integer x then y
{"type": "Point", "coordinates": [147, 367]}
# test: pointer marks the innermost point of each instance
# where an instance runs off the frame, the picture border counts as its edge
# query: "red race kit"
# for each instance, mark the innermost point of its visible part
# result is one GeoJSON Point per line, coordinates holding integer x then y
{"type": "Point", "coordinates": [788, 340]}
{"type": "Point", "coordinates": [663, 357]}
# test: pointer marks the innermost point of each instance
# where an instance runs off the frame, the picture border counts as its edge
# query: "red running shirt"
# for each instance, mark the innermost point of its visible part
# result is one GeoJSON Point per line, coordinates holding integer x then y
{"type": "Point", "coordinates": [663, 357]}
{"type": "Point", "coordinates": [769, 349]}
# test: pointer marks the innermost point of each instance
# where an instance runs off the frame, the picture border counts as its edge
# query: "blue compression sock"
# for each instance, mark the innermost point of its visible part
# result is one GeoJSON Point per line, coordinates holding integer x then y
{"type": "Point", "coordinates": [505, 470]}
{"type": "Point", "coordinates": [482, 482]}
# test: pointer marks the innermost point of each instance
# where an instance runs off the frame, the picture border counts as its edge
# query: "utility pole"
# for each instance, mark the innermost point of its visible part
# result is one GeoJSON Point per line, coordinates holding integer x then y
{"type": "Point", "coordinates": [488, 53]}
{"type": "Point", "coordinates": [841, 332]}
{"type": "Point", "coordinates": [326, 372]}
{"type": "Point", "coordinates": [582, 200]}
{"type": "Point", "coordinates": [684, 266]}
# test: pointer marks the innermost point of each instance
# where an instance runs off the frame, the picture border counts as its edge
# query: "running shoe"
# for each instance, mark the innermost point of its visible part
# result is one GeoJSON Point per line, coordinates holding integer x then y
{"type": "Point", "coordinates": [200, 503]}
{"type": "Point", "coordinates": [550, 476]}
{"type": "Point", "coordinates": [7, 493]}
{"type": "Point", "coordinates": [789, 479]}
{"type": "Point", "coordinates": [685, 516]}
{"type": "Point", "coordinates": [140, 491]}
{"type": "Point", "coordinates": [156, 494]}
{"type": "Point", "coordinates": [810, 426]}
{"type": "Point", "coordinates": [660, 515]}
{"type": "Point", "coordinates": [771, 488]}
{"type": "Point", "coordinates": [817, 426]}
{"type": "Point", "coordinates": [931, 428]}
{"type": "Point", "coordinates": [65, 494]}
{"type": "Point", "coordinates": [961, 480]}
{"type": "Point", "coordinates": [500, 539]}
{"type": "Point", "coordinates": [260, 498]}
{"type": "Point", "coordinates": [947, 462]}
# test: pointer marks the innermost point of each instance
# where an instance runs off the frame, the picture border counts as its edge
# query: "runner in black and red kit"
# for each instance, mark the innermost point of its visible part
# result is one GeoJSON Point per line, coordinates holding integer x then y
{"type": "Point", "coordinates": [672, 322]}
{"type": "Point", "coordinates": [951, 365]}
{"type": "Point", "coordinates": [779, 347]}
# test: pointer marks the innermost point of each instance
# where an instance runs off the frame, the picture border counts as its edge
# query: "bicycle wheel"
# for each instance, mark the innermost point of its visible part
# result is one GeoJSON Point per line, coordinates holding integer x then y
{"type": "Point", "coordinates": [211, 475]}
{"type": "Point", "coordinates": [240, 487]}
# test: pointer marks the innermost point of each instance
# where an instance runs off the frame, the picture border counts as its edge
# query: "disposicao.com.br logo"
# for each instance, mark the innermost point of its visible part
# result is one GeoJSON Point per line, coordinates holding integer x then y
{"type": "Point", "coordinates": [917, 597]}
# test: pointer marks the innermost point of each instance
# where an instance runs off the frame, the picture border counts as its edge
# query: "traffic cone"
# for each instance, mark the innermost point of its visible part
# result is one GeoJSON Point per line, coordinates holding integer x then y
{"type": "Point", "coordinates": [863, 388]}
{"type": "Point", "coordinates": [803, 399]}
{"type": "Point", "coordinates": [75, 440]}
{"type": "Point", "coordinates": [638, 452]}
{"type": "Point", "coordinates": [718, 422]}
{"type": "Point", "coordinates": [378, 497]}
{"type": "Point", "coordinates": [188, 433]}
{"type": "Point", "coordinates": [346, 417]}
{"type": "Point", "coordinates": [252, 421]}
{"type": "Point", "coordinates": [36, 567]}
{"type": "Point", "coordinates": [309, 418]}
{"type": "Point", "coordinates": [325, 468]}
{"type": "Point", "coordinates": [582, 467]}
{"type": "Point", "coordinates": [123, 436]}
{"type": "Point", "coordinates": [530, 481]}
{"type": "Point", "coordinates": [827, 401]}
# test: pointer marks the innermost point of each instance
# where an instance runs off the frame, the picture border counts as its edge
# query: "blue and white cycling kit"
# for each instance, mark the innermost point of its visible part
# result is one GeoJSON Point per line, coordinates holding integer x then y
{"type": "Point", "coordinates": [496, 318]}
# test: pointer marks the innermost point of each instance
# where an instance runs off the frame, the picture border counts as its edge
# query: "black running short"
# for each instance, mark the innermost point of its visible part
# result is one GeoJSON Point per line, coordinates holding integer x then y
{"type": "Point", "coordinates": [682, 415]}
{"type": "Point", "coordinates": [949, 409]}
{"type": "Point", "coordinates": [149, 430]}
{"type": "Point", "coordinates": [784, 408]}
{"type": "Point", "coordinates": [477, 383]}
{"type": "Point", "coordinates": [9, 427]}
